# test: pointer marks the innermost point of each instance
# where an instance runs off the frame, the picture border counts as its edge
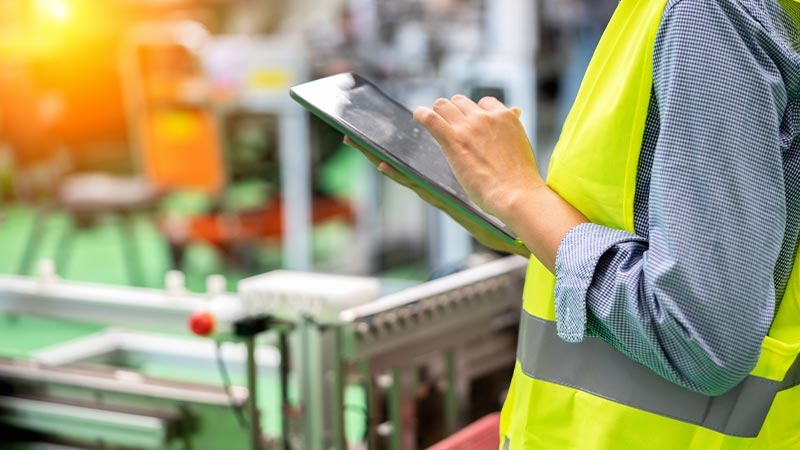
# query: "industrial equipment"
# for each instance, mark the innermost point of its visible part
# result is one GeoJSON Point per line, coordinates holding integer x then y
{"type": "Point", "coordinates": [323, 362]}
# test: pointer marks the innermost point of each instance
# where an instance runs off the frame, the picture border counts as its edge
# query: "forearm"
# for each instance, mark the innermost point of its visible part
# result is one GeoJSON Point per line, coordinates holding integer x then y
{"type": "Point", "coordinates": [672, 316]}
{"type": "Point", "coordinates": [541, 218]}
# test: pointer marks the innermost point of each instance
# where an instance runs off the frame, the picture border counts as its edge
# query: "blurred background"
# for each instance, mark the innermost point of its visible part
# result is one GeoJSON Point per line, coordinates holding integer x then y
{"type": "Point", "coordinates": [138, 136]}
{"type": "Point", "coordinates": [170, 220]}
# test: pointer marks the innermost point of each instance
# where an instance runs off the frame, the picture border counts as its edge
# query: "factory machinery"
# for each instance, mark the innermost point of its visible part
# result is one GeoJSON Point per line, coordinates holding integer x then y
{"type": "Point", "coordinates": [292, 360]}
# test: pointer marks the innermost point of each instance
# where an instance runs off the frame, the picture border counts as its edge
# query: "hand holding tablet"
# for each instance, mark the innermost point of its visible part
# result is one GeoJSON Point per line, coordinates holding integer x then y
{"type": "Point", "coordinates": [386, 131]}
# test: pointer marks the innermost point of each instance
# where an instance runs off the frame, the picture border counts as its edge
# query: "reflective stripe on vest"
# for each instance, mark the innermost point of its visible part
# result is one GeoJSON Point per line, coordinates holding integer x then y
{"type": "Point", "coordinates": [596, 367]}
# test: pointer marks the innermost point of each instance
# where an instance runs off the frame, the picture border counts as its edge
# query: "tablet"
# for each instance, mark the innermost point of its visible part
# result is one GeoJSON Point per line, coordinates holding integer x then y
{"type": "Point", "coordinates": [358, 109]}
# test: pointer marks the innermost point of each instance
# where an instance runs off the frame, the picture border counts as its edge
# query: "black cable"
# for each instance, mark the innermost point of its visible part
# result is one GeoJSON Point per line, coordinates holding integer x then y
{"type": "Point", "coordinates": [226, 382]}
{"type": "Point", "coordinates": [283, 347]}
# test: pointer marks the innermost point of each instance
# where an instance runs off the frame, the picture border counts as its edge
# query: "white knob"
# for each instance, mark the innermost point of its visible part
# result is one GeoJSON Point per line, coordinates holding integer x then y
{"type": "Point", "coordinates": [175, 282]}
{"type": "Point", "coordinates": [215, 284]}
{"type": "Point", "coordinates": [47, 271]}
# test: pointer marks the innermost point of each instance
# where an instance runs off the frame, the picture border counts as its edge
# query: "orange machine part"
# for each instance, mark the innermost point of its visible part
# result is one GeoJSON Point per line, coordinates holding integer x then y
{"type": "Point", "coordinates": [221, 230]}
{"type": "Point", "coordinates": [182, 150]}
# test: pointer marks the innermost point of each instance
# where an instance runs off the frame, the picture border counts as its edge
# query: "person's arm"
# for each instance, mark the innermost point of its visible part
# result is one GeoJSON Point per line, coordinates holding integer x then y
{"type": "Point", "coordinates": [694, 300]}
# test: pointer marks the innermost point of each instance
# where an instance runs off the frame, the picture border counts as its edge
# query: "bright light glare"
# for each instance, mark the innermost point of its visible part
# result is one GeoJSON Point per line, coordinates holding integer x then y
{"type": "Point", "coordinates": [56, 10]}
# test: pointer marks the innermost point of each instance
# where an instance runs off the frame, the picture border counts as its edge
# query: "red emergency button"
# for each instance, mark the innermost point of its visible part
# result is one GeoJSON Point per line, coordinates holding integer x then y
{"type": "Point", "coordinates": [201, 323]}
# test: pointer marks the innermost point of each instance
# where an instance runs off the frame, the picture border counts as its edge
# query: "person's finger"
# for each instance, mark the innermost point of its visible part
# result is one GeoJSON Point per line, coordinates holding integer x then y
{"type": "Point", "coordinates": [449, 111]}
{"type": "Point", "coordinates": [372, 158]}
{"type": "Point", "coordinates": [397, 176]}
{"type": "Point", "coordinates": [438, 127]}
{"type": "Point", "coordinates": [351, 143]}
{"type": "Point", "coordinates": [465, 104]}
{"type": "Point", "coordinates": [491, 104]}
{"type": "Point", "coordinates": [394, 174]}
{"type": "Point", "coordinates": [386, 169]}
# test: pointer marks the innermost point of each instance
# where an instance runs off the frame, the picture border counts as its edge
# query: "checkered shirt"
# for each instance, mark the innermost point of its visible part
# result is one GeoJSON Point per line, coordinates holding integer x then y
{"type": "Point", "coordinates": [693, 291]}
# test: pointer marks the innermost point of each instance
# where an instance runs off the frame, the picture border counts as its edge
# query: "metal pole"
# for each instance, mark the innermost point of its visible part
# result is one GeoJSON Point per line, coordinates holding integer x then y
{"type": "Point", "coordinates": [295, 161]}
{"type": "Point", "coordinates": [451, 408]}
{"type": "Point", "coordinates": [252, 374]}
{"type": "Point", "coordinates": [283, 346]}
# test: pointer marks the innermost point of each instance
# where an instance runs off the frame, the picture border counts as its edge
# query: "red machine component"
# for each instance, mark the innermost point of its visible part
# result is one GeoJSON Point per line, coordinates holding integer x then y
{"type": "Point", "coordinates": [202, 323]}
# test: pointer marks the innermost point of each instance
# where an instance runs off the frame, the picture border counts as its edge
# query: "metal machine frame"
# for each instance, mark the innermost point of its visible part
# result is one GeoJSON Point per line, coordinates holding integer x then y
{"type": "Point", "coordinates": [455, 330]}
{"type": "Point", "coordinates": [449, 335]}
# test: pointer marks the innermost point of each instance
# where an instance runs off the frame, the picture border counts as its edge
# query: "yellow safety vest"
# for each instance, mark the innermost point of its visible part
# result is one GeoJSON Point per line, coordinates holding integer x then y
{"type": "Point", "coordinates": [589, 395]}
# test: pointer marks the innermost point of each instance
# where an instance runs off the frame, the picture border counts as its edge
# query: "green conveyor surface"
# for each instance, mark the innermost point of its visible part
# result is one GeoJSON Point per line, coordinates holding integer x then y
{"type": "Point", "coordinates": [22, 335]}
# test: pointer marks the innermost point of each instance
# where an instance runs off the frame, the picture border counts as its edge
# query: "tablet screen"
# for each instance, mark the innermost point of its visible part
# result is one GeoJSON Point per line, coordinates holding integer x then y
{"type": "Point", "coordinates": [360, 110]}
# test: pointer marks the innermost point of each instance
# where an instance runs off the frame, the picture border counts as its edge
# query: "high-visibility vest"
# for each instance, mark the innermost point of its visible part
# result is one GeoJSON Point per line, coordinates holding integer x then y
{"type": "Point", "coordinates": [589, 396]}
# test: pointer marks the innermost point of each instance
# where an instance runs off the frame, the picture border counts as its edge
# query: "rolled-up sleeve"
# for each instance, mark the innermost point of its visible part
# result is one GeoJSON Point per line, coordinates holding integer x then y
{"type": "Point", "coordinates": [578, 257]}
{"type": "Point", "coordinates": [693, 300]}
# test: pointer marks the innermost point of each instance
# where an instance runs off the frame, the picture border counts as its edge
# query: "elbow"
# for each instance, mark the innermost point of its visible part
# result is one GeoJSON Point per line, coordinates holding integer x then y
{"type": "Point", "coordinates": [717, 382]}
{"type": "Point", "coordinates": [714, 358]}
{"type": "Point", "coordinates": [713, 375]}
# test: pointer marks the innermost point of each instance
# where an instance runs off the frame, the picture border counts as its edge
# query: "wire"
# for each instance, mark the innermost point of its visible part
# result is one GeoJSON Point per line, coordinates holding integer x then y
{"type": "Point", "coordinates": [226, 382]}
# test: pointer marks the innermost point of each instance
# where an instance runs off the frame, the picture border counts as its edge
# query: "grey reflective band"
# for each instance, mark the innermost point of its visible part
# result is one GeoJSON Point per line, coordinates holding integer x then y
{"type": "Point", "coordinates": [506, 443]}
{"type": "Point", "coordinates": [595, 367]}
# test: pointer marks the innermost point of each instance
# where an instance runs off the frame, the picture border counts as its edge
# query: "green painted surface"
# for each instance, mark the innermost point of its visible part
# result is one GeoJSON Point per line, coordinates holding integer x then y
{"type": "Point", "coordinates": [94, 254]}
{"type": "Point", "coordinates": [97, 254]}
{"type": "Point", "coordinates": [21, 335]}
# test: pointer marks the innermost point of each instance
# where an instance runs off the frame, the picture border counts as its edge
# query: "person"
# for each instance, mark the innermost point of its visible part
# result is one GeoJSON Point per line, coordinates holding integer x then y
{"type": "Point", "coordinates": [661, 308]}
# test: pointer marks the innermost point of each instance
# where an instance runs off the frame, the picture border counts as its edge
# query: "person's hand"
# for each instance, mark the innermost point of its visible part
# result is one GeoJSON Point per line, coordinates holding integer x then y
{"type": "Point", "coordinates": [488, 150]}
{"type": "Point", "coordinates": [491, 157]}
{"type": "Point", "coordinates": [480, 233]}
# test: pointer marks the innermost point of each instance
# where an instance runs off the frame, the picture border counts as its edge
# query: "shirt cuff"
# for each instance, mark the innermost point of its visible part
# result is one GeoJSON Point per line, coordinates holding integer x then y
{"type": "Point", "coordinates": [576, 261]}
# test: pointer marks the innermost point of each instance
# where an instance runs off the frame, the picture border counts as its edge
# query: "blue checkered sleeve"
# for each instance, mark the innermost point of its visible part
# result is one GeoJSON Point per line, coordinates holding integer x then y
{"type": "Point", "coordinates": [692, 295]}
